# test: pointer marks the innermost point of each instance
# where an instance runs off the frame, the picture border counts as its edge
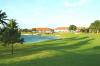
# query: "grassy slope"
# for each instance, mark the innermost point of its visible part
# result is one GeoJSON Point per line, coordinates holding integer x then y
{"type": "Point", "coordinates": [70, 50]}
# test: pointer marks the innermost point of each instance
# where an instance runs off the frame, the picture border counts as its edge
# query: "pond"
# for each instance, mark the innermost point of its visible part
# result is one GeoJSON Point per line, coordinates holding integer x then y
{"type": "Point", "coordinates": [36, 38]}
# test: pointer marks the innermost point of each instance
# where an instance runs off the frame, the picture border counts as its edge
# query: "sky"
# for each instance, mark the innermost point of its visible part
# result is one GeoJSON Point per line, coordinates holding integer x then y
{"type": "Point", "coordinates": [51, 13]}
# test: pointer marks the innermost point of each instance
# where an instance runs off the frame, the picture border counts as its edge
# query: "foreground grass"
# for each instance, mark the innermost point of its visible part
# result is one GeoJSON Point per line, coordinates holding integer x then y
{"type": "Point", "coordinates": [68, 50]}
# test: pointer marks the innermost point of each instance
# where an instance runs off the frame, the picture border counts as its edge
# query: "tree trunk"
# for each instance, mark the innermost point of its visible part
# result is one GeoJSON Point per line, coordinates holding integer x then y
{"type": "Point", "coordinates": [12, 49]}
{"type": "Point", "coordinates": [97, 31]}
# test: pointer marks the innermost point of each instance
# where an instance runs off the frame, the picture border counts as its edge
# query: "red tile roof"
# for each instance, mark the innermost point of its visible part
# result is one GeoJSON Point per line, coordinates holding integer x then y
{"type": "Point", "coordinates": [41, 28]}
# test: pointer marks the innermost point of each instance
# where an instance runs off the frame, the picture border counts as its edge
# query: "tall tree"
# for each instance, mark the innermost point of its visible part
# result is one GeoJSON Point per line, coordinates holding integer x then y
{"type": "Point", "coordinates": [3, 17]}
{"type": "Point", "coordinates": [72, 28]}
{"type": "Point", "coordinates": [3, 23]}
{"type": "Point", "coordinates": [11, 35]}
{"type": "Point", "coordinates": [95, 26]}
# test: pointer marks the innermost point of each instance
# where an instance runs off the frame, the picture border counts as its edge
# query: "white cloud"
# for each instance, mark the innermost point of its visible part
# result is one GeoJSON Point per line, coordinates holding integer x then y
{"type": "Point", "coordinates": [74, 4]}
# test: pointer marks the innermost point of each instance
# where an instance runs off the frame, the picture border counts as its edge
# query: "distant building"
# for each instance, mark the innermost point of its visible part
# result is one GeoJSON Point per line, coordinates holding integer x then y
{"type": "Point", "coordinates": [43, 30]}
{"type": "Point", "coordinates": [50, 31]}
{"type": "Point", "coordinates": [61, 29]}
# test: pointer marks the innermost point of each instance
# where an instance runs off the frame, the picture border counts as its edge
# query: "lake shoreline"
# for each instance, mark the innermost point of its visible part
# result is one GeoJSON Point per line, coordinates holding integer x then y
{"type": "Point", "coordinates": [28, 38]}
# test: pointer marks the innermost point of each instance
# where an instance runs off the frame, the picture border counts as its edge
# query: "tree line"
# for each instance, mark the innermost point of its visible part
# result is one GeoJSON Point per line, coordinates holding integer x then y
{"type": "Point", "coordinates": [93, 28]}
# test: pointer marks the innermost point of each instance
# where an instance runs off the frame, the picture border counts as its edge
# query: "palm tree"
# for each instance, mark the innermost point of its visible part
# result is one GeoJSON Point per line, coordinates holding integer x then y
{"type": "Point", "coordinates": [3, 17]}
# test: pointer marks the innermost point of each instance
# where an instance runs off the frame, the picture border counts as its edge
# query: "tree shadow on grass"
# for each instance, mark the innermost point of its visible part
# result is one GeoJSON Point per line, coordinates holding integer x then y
{"type": "Point", "coordinates": [92, 50]}
{"type": "Point", "coordinates": [65, 46]}
{"type": "Point", "coordinates": [77, 38]}
{"type": "Point", "coordinates": [64, 59]}
{"type": "Point", "coordinates": [51, 46]}
{"type": "Point", "coordinates": [59, 41]}
{"type": "Point", "coordinates": [67, 39]}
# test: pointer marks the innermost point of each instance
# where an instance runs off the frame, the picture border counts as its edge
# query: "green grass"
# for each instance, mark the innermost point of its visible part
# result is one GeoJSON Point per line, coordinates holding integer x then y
{"type": "Point", "coordinates": [68, 50]}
